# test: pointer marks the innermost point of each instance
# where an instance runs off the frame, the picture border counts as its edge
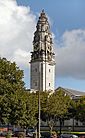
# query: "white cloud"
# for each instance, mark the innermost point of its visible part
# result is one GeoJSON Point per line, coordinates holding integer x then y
{"type": "Point", "coordinates": [70, 58]}
{"type": "Point", "coordinates": [17, 25]}
{"type": "Point", "coordinates": [22, 57]}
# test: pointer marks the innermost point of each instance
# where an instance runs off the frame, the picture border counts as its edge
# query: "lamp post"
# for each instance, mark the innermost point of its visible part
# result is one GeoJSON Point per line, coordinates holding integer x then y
{"type": "Point", "coordinates": [39, 115]}
{"type": "Point", "coordinates": [38, 124]}
{"type": "Point", "coordinates": [45, 63]}
{"type": "Point", "coordinates": [39, 107]}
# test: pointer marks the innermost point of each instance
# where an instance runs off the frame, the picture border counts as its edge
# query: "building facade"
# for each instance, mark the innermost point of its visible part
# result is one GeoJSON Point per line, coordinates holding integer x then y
{"type": "Point", "coordinates": [42, 57]}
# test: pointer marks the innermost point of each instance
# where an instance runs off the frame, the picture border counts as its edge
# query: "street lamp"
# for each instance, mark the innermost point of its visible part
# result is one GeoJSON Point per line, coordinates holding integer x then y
{"type": "Point", "coordinates": [39, 107]}
{"type": "Point", "coordinates": [38, 124]}
{"type": "Point", "coordinates": [45, 63]}
{"type": "Point", "coordinates": [39, 114]}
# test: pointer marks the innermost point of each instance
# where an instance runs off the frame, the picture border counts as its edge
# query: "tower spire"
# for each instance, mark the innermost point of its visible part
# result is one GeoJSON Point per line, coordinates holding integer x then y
{"type": "Point", "coordinates": [42, 52]}
{"type": "Point", "coordinates": [43, 13]}
{"type": "Point", "coordinates": [42, 10]}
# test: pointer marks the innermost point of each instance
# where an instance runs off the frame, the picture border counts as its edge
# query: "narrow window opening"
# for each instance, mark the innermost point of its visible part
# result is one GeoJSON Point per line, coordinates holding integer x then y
{"type": "Point", "coordinates": [35, 83]}
{"type": "Point", "coordinates": [35, 69]}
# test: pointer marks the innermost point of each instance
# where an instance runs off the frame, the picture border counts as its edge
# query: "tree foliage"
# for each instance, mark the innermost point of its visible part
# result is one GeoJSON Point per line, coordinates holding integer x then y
{"type": "Point", "coordinates": [10, 77]}
{"type": "Point", "coordinates": [57, 107]}
{"type": "Point", "coordinates": [17, 105]}
{"type": "Point", "coordinates": [20, 107]}
{"type": "Point", "coordinates": [80, 109]}
{"type": "Point", "coordinates": [58, 104]}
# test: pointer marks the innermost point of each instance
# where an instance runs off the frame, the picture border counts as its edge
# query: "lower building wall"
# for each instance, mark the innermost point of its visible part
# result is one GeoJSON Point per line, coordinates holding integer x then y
{"type": "Point", "coordinates": [64, 128]}
{"type": "Point", "coordinates": [70, 125]}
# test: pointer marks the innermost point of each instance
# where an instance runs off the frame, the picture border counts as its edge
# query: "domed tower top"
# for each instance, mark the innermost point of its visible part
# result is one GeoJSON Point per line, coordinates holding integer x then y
{"type": "Point", "coordinates": [42, 17]}
{"type": "Point", "coordinates": [42, 43]}
{"type": "Point", "coordinates": [42, 24]}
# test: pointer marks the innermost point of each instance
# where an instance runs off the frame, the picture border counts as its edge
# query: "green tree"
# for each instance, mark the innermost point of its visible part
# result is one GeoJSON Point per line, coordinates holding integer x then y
{"type": "Point", "coordinates": [10, 83]}
{"type": "Point", "coordinates": [43, 104]}
{"type": "Point", "coordinates": [31, 109]}
{"type": "Point", "coordinates": [24, 109]}
{"type": "Point", "coordinates": [80, 109]}
{"type": "Point", "coordinates": [17, 105]}
{"type": "Point", "coordinates": [10, 77]}
{"type": "Point", "coordinates": [58, 104]}
{"type": "Point", "coordinates": [72, 111]}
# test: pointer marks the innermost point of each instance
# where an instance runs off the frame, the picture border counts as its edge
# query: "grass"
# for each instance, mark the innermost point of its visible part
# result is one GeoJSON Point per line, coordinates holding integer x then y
{"type": "Point", "coordinates": [73, 132]}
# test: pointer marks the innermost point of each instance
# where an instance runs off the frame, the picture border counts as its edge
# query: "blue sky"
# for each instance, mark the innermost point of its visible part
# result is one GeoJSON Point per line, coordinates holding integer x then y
{"type": "Point", "coordinates": [65, 15]}
{"type": "Point", "coordinates": [67, 18]}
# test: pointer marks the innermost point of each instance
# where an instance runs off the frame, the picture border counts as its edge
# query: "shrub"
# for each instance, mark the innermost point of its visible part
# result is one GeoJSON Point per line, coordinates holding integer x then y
{"type": "Point", "coordinates": [21, 135]}
{"type": "Point", "coordinates": [9, 134]}
{"type": "Point", "coordinates": [53, 133]}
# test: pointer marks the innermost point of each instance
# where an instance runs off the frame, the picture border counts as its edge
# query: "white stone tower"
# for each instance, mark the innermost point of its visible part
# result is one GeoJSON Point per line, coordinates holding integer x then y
{"type": "Point", "coordinates": [42, 57]}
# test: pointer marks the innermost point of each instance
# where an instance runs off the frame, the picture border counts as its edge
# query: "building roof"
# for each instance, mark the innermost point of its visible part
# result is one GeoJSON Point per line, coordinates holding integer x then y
{"type": "Point", "coordinates": [74, 94]}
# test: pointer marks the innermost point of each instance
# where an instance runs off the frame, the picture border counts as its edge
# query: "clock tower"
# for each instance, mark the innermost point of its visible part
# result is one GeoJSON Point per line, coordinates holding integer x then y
{"type": "Point", "coordinates": [42, 62]}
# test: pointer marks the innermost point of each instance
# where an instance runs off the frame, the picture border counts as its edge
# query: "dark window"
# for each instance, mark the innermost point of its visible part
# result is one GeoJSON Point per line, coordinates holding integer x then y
{"type": "Point", "coordinates": [49, 84]}
{"type": "Point", "coordinates": [83, 123]}
{"type": "Point", "coordinates": [76, 123]}
{"type": "Point", "coordinates": [62, 122]}
{"type": "Point", "coordinates": [49, 70]}
{"type": "Point", "coordinates": [35, 69]}
{"type": "Point", "coordinates": [35, 83]}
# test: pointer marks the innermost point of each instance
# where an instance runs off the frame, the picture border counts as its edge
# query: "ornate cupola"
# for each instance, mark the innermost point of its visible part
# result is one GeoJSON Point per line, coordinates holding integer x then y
{"type": "Point", "coordinates": [42, 57]}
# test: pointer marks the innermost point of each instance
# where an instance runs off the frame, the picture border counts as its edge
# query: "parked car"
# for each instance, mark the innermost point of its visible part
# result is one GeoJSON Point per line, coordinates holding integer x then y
{"type": "Point", "coordinates": [30, 132]}
{"type": "Point", "coordinates": [3, 133]}
{"type": "Point", "coordinates": [68, 136]}
{"type": "Point", "coordinates": [45, 134]}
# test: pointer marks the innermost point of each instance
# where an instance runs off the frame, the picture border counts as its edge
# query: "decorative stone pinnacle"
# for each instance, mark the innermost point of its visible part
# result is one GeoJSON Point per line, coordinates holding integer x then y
{"type": "Point", "coordinates": [42, 17]}
{"type": "Point", "coordinates": [43, 11]}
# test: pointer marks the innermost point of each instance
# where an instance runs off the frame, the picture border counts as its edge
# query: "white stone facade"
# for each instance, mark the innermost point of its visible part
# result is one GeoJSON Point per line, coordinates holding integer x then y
{"type": "Point", "coordinates": [42, 76]}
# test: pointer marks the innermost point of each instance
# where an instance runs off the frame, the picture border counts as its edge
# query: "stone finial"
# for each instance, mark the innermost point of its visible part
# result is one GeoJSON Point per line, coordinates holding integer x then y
{"type": "Point", "coordinates": [43, 11]}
